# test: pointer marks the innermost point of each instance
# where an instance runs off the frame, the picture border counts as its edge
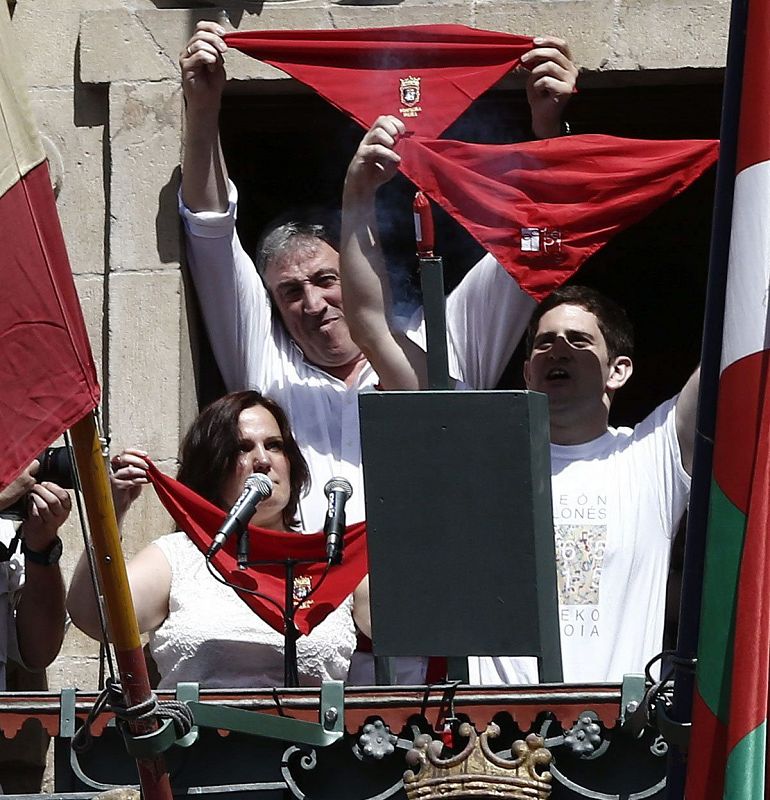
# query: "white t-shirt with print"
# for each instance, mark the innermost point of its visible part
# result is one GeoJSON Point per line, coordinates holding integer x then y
{"type": "Point", "coordinates": [617, 503]}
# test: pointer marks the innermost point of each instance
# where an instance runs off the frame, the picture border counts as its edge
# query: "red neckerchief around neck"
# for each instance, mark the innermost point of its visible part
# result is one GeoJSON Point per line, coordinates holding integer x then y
{"type": "Point", "coordinates": [200, 520]}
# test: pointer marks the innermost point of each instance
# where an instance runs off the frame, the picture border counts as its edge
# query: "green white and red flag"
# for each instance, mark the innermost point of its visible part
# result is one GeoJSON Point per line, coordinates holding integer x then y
{"type": "Point", "coordinates": [728, 751]}
{"type": "Point", "coordinates": [47, 372]}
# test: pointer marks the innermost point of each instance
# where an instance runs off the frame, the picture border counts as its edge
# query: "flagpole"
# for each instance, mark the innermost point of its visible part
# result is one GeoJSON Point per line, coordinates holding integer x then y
{"type": "Point", "coordinates": [711, 350]}
{"type": "Point", "coordinates": [119, 606]}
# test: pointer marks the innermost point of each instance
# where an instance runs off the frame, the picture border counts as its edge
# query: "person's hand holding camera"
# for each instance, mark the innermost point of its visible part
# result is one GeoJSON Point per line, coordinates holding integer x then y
{"type": "Point", "coordinates": [40, 610]}
{"type": "Point", "coordinates": [21, 486]}
{"type": "Point", "coordinates": [49, 507]}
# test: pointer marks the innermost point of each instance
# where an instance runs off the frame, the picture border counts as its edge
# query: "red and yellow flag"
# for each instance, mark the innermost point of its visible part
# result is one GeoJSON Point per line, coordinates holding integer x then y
{"type": "Point", "coordinates": [47, 372]}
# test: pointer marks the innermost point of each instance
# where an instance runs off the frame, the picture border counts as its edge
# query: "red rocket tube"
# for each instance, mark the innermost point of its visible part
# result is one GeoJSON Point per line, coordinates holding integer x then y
{"type": "Point", "coordinates": [423, 226]}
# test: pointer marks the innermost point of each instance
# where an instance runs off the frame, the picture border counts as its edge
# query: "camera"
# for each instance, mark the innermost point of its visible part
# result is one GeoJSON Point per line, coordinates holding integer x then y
{"type": "Point", "coordinates": [56, 467]}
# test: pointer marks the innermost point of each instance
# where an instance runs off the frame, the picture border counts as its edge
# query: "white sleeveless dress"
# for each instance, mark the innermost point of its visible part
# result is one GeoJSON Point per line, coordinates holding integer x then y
{"type": "Point", "coordinates": [213, 638]}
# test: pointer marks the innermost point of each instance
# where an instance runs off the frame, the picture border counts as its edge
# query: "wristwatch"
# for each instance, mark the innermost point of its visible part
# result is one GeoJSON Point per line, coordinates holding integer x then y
{"type": "Point", "coordinates": [46, 558]}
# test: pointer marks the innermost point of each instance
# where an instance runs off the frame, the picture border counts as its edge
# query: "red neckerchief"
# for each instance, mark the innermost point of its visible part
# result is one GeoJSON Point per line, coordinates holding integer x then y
{"type": "Point", "coordinates": [426, 75]}
{"type": "Point", "coordinates": [200, 520]}
{"type": "Point", "coordinates": [541, 208]}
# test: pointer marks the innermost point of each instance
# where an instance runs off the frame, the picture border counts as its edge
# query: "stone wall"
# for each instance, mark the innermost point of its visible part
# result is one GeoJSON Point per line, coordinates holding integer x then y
{"type": "Point", "coordinates": [104, 84]}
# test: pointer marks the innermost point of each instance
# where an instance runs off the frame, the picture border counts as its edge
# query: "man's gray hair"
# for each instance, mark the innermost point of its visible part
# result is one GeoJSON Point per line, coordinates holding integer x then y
{"type": "Point", "coordinates": [292, 231]}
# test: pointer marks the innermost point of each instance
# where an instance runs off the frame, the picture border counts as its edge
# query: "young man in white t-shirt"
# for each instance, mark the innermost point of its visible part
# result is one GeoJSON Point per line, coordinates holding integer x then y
{"type": "Point", "coordinates": [618, 494]}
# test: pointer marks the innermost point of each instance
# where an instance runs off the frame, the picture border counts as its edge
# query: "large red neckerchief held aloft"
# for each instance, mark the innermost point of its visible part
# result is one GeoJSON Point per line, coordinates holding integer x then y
{"type": "Point", "coordinates": [200, 520]}
{"type": "Point", "coordinates": [426, 75]}
{"type": "Point", "coordinates": [541, 208]}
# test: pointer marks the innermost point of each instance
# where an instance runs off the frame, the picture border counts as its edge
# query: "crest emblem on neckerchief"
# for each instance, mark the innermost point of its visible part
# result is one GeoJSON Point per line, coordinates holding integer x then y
{"type": "Point", "coordinates": [409, 91]}
{"type": "Point", "coordinates": [302, 587]}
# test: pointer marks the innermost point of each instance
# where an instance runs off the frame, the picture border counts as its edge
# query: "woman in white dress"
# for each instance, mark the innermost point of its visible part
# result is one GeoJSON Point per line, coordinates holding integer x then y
{"type": "Point", "coordinates": [199, 629]}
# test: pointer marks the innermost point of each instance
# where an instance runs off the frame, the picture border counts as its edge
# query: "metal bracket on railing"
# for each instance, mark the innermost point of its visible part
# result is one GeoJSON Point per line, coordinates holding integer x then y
{"type": "Point", "coordinates": [149, 745]}
{"type": "Point", "coordinates": [650, 709]}
{"type": "Point", "coordinates": [67, 713]}
{"type": "Point", "coordinates": [188, 693]}
{"type": "Point", "coordinates": [327, 731]}
{"type": "Point", "coordinates": [67, 731]}
{"type": "Point", "coordinates": [675, 733]}
{"type": "Point", "coordinates": [633, 712]}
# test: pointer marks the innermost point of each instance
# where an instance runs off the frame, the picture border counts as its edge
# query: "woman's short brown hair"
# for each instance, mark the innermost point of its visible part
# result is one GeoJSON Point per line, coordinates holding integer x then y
{"type": "Point", "coordinates": [210, 448]}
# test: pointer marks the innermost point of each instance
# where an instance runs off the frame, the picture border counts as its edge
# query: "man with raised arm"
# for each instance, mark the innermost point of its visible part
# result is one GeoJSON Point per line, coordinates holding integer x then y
{"type": "Point", "coordinates": [287, 334]}
{"type": "Point", "coordinates": [618, 493]}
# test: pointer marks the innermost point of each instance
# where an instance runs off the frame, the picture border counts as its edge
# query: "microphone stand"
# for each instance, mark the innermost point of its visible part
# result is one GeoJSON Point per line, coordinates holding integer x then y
{"type": "Point", "coordinates": [290, 632]}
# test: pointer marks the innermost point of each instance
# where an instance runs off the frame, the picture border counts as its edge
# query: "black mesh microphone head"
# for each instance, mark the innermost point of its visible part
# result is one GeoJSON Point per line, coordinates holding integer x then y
{"type": "Point", "coordinates": [338, 483]}
{"type": "Point", "coordinates": [261, 482]}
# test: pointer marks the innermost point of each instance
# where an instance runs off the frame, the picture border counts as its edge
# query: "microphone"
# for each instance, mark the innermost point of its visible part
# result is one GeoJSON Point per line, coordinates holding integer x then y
{"type": "Point", "coordinates": [257, 487]}
{"type": "Point", "coordinates": [338, 491]}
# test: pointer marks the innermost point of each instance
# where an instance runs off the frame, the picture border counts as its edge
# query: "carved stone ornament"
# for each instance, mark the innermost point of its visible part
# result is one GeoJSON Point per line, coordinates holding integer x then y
{"type": "Point", "coordinates": [477, 771]}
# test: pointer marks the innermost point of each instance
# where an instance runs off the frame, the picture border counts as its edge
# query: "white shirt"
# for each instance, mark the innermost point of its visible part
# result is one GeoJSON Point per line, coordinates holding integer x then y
{"type": "Point", "coordinates": [617, 503]}
{"type": "Point", "coordinates": [486, 316]}
{"type": "Point", "coordinates": [212, 637]}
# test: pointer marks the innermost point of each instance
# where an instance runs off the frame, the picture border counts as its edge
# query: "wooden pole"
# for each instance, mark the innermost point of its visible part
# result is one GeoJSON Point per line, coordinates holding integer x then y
{"type": "Point", "coordinates": [119, 606]}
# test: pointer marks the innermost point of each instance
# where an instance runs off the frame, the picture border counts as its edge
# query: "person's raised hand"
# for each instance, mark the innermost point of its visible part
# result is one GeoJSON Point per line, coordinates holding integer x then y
{"type": "Point", "coordinates": [203, 68]}
{"type": "Point", "coordinates": [375, 161]}
{"type": "Point", "coordinates": [49, 507]}
{"type": "Point", "coordinates": [20, 486]}
{"type": "Point", "coordinates": [551, 83]}
{"type": "Point", "coordinates": [128, 477]}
